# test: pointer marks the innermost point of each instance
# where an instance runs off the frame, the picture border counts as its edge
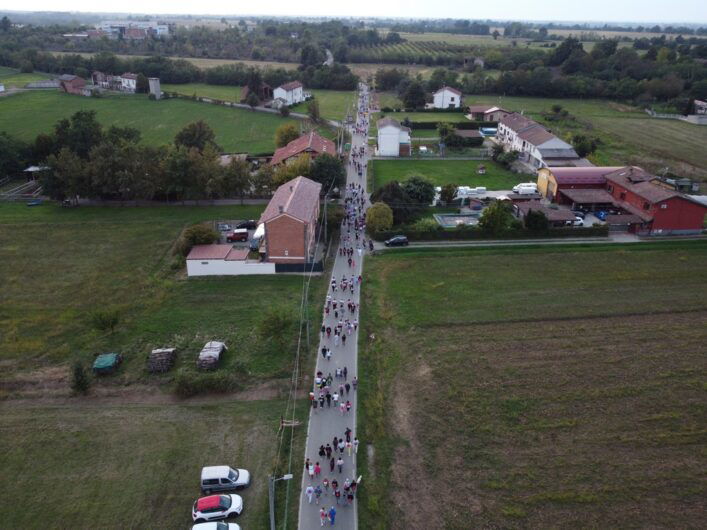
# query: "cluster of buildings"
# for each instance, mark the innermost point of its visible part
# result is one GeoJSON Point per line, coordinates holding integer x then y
{"type": "Point", "coordinates": [311, 144]}
{"type": "Point", "coordinates": [285, 95]}
{"type": "Point", "coordinates": [632, 199]}
{"type": "Point", "coordinates": [73, 84]}
{"type": "Point", "coordinates": [132, 29]}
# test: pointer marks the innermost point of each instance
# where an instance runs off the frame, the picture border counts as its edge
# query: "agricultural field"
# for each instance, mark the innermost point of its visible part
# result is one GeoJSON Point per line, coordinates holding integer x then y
{"type": "Point", "coordinates": [224, 93]}
{"type": "Point", "coordinates": [27, 114]}
{"type": "Point", "coordinates": [333, 104]}
{"type": "Point", "coordinates": [524, 400]}
{"type": "Point", "coordinates": [429, 53]}
{"type": "Point", "coordinates": [13, 78]}
{"type": "Point", "coordinates": [441, 172]}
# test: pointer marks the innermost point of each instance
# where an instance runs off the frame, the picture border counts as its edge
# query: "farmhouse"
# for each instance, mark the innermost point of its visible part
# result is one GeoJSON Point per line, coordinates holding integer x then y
{"type": "Point", "coordinates": [537, 146]}
{"type": "Point", "coordinates": [310, 143]}
{"type": "Point", "coordinates": [291, 93]}
{"type": "Point", "coordinates": [224, 260]}
{"type": "Point", "coordinates": [552, 180]}
{"type": "Point", "coordinates": [71, 84]}
{"type": "Point", "coordinates": [486, 113]}
{"type": "Point", "coordinates": [447, 98]}
{"type": "Point", "coordinates": [393, 138]}
{"type": "Point", "coordinates": [290, 222]}
{"type": "Point", "coordinates": [128, 82]}
{"type": "Point", "coordinates": [264, 92]}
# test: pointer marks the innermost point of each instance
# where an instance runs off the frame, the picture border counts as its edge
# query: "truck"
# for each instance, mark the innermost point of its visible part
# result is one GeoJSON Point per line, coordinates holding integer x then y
{"type": "Point", "coordinates": [239, 234]}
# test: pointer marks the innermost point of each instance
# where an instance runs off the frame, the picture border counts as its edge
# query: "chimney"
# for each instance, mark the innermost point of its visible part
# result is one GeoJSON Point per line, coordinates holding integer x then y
{"type": "Point", "coordinates": [281, 208]}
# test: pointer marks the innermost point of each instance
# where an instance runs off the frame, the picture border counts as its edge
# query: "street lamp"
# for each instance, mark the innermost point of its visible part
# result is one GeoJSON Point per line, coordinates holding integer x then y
{"type": "Point", "coordinates": [271, 490]}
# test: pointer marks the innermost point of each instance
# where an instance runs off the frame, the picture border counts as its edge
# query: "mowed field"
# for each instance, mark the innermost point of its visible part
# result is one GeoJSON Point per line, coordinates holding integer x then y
{"type": "Point", "coordinates": [28, 114]}
{"type": "Point", "coordinates": [441, 172]}
{"type": "Point", "coordinates": [13, 78]}
{"type": "Point", "coordinates": [535, 387]}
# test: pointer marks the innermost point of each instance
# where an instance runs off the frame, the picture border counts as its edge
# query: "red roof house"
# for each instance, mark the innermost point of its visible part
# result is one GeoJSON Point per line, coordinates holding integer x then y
{"type": "Point", "coordinates": [290, 221]}
{"type": "Point", "coordinates": [551, 180]}
{"type": "Point", "coordinates": [310, 143]}
{"type": "Point", "coordinates": [71, 84]}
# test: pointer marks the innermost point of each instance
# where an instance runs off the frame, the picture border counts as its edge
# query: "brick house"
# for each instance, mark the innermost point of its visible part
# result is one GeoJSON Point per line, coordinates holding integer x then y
{"type": "Point", "coordinates": [535, 144]}
{"type": "Point", "coordinates": [290, 222]}
{"type": "Point", "coordinates": [310, 143]}
{"type": "Point", "coordinates": [486, 113]}
{"type": "Point", "coordinates": [553, 179]}
{"type": "Point", "coordinates": [71, 84]}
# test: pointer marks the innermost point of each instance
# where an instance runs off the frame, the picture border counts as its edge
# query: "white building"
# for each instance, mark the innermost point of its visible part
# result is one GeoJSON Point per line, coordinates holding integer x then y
{"type": "Point", "coordinates": [128, 82]}
{"type": "Point", "coordinates": [2, 87]}
{"type": "Point", "coordinates": [291, 93]}
{"type": "Point", "coordinates": [116, 28]}
{"type": "Point", "coordinates": [224, 260]}
{"type": "Point", "coordinates": [393, 138]}
{"type": "Point", "coordinates": [536, 145]}
{"type": "Point", "coordinates": [447, 98]}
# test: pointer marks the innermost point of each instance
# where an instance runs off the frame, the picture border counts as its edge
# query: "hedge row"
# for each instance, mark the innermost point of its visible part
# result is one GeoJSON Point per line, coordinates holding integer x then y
{"type": "Point", "coordinates": [468, 233]}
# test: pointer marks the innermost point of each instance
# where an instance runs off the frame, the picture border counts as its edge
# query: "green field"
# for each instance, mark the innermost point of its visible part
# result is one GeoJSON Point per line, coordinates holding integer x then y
{"type": "Point", "coordinates": [237, 130]}
{"type": "Point", "coordinates": [333, 104]}
{"type": "Point", "coordinates": [534, 385]}
{"type": "Point", "coordinates": [224, 93]}
{"type": "Point", "coordinates": [127, 465]}
{"type": "Point", "coordinates": [441, 172]}
{"type": "Point", "coordinates": [11, 77]}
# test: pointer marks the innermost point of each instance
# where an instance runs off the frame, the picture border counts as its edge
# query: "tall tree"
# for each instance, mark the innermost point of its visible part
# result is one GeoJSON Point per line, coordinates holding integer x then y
{"type": "Point", "coordinates": [80, 133]}
{"type": "Point", "coordinates": [414, 96]}
{"type": "Point", "coordinates": [198, 135]}
{"type": "Point", "coordinates": [285, 133]}
{"type": "Point", "coordinates": [329, 171]}
{"type": "Point", "coordinates": [238, 180]}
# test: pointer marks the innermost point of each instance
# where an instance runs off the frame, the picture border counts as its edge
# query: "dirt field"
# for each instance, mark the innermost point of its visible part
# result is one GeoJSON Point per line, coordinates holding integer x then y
{"type": "Point", "coordinates": [503, 393]}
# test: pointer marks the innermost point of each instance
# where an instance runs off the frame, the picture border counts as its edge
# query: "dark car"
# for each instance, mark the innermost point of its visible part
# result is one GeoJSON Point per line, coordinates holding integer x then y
{"type": "Point", "coordinates": [397, 241]}
{"type": "Point", "coordinates": [579, 213]}
{"type": "Point", "coordinates": [248, 225]}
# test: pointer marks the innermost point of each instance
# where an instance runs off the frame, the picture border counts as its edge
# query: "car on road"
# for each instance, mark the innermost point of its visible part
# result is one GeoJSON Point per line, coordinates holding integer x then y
{"type": "Point", "coordinates": [223, 478]}
{"type": "Point", "coordinates": [216, 507]}
{"type": "Point", "coordinates": [216, 526]}
{"type": "Point", "coordinates": [239, 234]}
{"type": "Point", "coordinates": [224, 227]}
{"type": "Point", "coordinates": [578, 221]}
{"type": "Point", "coordinates": [397, 241]}
{"type": "Point", "coordinates": [248, 225]}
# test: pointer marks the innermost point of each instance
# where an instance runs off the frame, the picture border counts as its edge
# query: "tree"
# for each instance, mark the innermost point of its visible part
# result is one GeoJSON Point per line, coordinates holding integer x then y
{"type": "Point", "coordinates": [284, 111]}
{"type": "Point", "coordinates": [495, 34]}
{"type": "Point", "coordinates": [445, 131]}
{"type": "Point", "coordinates": [142, 85]}
{"type": "Point", "coordinates": [404, 208]}
{"type": "Point", "coordinates": [536, 221]}
{"type": "Point", "coordinates": [328, 170]}
{"type": "Point", "coordinates": [285, 133]}
{"type": "Point", "coordinates": [584, 145]}
{"type": "Point", "coordinates": [252, 100]}
{"type": "Point", "coordinates": [237, 179]}
{"type": "Point", "coordinates": [414, 96]}
{"type": "Point", "coordinates": [313, 111]}
{"type": "Point", "coordinates": [496, 219]}
{"type": "Point", "coordinates": [13, 155]}
{"type": "Point", "coordinates": [197, 134]}
{"type": "Point", "coordinates": [263, 181]}
{"type": "Point", "coordinates": [67, 175]}
{"type": "Point", "coordinates": [420, 190]}
{"type": "Point", "coordinates": [80, 380]}
{"type": "Point", "coordinates": [286, 172]}
{"type": "Point", "coordinates": [310, 56]}
{"type": "Point", "coordinates": [379, 217]}
{"type": "Point", "coordinates": [449, 191]}
{"type": "Point", "coordinates": [42, 147]}
{"type": "Point", "coordinates": [80, 133]}
{"type": "Point", "coordinates": [200, 234]}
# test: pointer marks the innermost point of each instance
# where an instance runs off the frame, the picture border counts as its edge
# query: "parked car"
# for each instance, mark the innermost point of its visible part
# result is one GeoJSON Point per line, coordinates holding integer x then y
{"type": "Point", "coordinates": [397, 241]}
{"type": "Point", "coordinates": [578, 213]}
{"type": "Point", "coordinates": [224, 227]}
{"type": "Point", "coordinates": [223, 478]}
{"type": "Point", "coordinates": [239, 234]}
{"type": "Point", "coordinates": [216, 507]}
{"type": "Point", "coordinates": [248, 225]}
{"type": "Point", "coordinates": [601, 215]}
{"type": "Point", "coordinates": [216, 526]}
{"type": "Point", "coordinates": [524, 187]}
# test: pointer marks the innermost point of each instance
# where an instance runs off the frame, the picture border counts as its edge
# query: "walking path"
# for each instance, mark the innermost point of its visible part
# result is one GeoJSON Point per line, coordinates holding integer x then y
{"type": "Point", "coordinates": [327, 420]}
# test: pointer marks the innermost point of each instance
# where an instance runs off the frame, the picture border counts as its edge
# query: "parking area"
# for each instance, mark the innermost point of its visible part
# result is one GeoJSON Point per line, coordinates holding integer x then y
{"type": "Point", "coordinates": [239, 232]}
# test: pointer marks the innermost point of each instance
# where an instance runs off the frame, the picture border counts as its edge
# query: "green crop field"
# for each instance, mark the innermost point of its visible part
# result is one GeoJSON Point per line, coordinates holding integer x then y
{"type": "Point", "coordinates": [441, 172]}
{"type": "Point", "coordinates": [534, 385]}
{"type": "Point", "coordinates": [224, 93]}
{"type": "Point", "coordinates": [333, 104]}
{"type": "Point", "coordinates": [237, 130]}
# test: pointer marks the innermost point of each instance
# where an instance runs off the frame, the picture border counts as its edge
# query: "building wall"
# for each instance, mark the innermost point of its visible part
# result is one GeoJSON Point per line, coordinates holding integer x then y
{"type": "Point", "coordinates": [389, 141]}
{"type": "Point", "coordinates": [291, 97]}
{"type": "Point", "coordinates": [220, 267]}
{"type": "Point", "coordinates": [678, 216]}
{"type": "Point", "coordinates": [494, 116]}
{"type": "Point", "coordinates": [286, 237]}
{"type": "Point", "coordinates": [445, 99]}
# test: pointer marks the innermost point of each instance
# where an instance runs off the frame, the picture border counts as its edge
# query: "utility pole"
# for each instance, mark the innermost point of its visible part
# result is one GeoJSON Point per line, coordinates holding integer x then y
{"type": "Point", "coordinates": [271, 495]}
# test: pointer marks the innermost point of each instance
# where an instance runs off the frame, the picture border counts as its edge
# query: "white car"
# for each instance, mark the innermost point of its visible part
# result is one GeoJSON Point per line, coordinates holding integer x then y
{"type": "Point", "coordinates": [578, 221]}
{"type": "Point", "coordinates": [216, 507]}
{"type": "Point", "coordinates": [223, 478]}
{"type": "Point", "coordinates": [216, 526]}
{"type": "Point", "coordinates": [525, 187]}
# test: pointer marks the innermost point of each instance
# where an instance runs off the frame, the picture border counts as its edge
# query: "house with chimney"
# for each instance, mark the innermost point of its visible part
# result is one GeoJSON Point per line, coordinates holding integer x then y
{"type": "Point", "coordinates": [311, 144]}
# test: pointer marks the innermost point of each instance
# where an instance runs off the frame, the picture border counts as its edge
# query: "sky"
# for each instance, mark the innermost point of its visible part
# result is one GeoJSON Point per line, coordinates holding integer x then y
{"type": "Point", "coordinates": [642, 11]}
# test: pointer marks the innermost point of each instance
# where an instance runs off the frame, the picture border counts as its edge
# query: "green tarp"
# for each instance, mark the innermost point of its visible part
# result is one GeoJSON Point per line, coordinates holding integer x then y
{"type": "Point", "coordinates": [105, 362]}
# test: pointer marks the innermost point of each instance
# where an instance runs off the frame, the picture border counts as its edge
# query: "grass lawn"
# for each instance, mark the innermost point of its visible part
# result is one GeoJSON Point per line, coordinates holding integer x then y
{"type": "Point", "coordinates": [333, 104]}
{"type": "Point", "coordinates": [11, 77]}
{"type": "Point", "coordinates": [534, 385]}
{"type": "Point", "coordinates": [224, 93]}
{"type": "Point", "coordinates": [237, 130]}
{"type": "Point", "coordinates": [136, 465]}
{"type": "Point", "coordinates": [441, 172]}
{"type": "Point", "coordinates": [119, 258]}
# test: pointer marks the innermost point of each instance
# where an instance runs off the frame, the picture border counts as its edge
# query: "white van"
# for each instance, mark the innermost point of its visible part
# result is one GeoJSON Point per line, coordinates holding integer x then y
{"type": "Point", "coordinates": [223, 478]}
{"type": "Point", "coordinates": [524, 186]}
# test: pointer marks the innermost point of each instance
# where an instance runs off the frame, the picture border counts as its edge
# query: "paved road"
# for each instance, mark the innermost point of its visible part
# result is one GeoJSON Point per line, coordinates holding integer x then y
{"type": "Point", "coordinates": [327, 423]}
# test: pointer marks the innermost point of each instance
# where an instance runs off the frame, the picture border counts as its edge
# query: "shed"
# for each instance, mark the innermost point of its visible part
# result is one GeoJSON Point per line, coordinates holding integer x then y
{"type": "Point", "coordinates": [106, 363]}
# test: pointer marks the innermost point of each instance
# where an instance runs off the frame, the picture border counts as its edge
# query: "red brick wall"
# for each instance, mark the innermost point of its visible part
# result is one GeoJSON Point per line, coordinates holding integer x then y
{"type": "Point", "coordinates": [285, 234]}
{"type": "Point", "coordinates": [680, 214]}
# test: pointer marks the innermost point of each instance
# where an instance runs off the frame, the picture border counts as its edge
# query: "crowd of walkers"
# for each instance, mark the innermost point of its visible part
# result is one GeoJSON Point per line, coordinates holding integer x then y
{"type": "Point", "coordinates": [331, 474]}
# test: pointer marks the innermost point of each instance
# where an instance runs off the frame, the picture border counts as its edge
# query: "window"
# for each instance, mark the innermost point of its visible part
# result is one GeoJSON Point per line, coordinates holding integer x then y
{"type": "Point", "coordinates": [210, 482]}
{"type": "Point", "coordinates": [663, 206]}
{"type": "Point", "coordinates": [646, 206]}
{"type": "Point", "coordinates": [204, 262]}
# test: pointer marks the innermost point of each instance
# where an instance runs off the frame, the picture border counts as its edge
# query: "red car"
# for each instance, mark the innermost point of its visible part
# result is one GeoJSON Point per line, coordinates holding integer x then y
{"type": "Point", "coordinates": [240, 234]}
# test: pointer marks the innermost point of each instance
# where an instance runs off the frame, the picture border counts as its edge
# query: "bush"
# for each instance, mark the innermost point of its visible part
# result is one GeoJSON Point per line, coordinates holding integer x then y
{"type": "Point", "coordinates": [105, 319]}
{"type": "Point", "coordinates": [471, 232]}
{"type": "Point", "coordinates": [200, 234]}
{"type": "Point", "coordinates": [379, 217]}
{"type": "Point", "coordinates": [277, 323]}
{"type": "Point", "coordinates": [80, 379]}
{"type": "Point", "coordinates": [426, 224]}
{"type": "Point", "coordinates": [188, 383]}
{"type": "Point", "coordinates": [284, 111]}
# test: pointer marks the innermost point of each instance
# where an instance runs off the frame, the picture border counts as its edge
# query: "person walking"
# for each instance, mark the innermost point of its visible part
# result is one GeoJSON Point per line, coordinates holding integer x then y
{"type": "Point", "coordinates": [323, 516]}
{"type": "Point", "coordinates": [317, 470]}
{"type": "Point", "coordinates": [310, 470]}
{"type": "Point", "coordinates": [355, 445]}
{"type": "Point", "coordinates": [328, 451]}
{"type": "Point", "coordinates": [354, 383]}
{"type": "Point", "coordinates": [340, 465]}
{"type": "Point", "coordinates": [309, 492]}
{"type": "Point", "coordinates": [345, 372]}
{"type": "Point", "coordinates": [317, 493]}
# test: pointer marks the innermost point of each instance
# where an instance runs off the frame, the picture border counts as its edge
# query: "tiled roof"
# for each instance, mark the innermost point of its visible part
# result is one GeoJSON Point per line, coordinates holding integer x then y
{"type": "Point", "coordinates": [210, 251]}
{"type": "Point", "coordinates": [237, 254]}
{"type": "Point", "coordinates": [474, 109]}
{"type": "Point", "coordinates": [129, 75]}
{"type": "Point", "coordinates": [637, 181]}
{"type": "Point", "coordinates": [291, 85]}
{"type": "Point", "coordinates": [298, 198]}
{"type": "Point", "coordinates": [581, 175]}
{"type": "Point", "coordinates": [517, 122]}
{"type": "Point", "coordinates": [453, 90]}
{"type": "Point", "coordinates": [308, 142]}
{"type": "Point", "coordinates": [536, 135]}
{"type": "Point", "coordinates": [552, 214]}
{"type": "Point", "coordinates": [467, 133]}
{"type": "Point", "coordinates": [390, 121]}
{"type": "Point", "coordinates": [588, 196]}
